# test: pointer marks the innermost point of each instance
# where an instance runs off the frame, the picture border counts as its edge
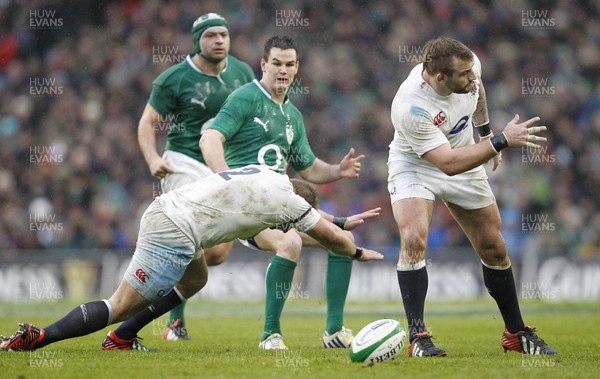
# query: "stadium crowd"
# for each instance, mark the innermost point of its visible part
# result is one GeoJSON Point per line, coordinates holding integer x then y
{"type": "Point", "coordinates": [75, 77]}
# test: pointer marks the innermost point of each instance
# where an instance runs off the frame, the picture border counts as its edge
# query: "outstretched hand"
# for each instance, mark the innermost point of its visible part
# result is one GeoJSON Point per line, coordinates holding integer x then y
{"type": "Point", "coordinates": [350, 166]}
{"type": "Point", "coordinates": [358, 219]}
{"type": "Point", "coordinates": [370, 255]}
{"type": "Point", "coordinates": [524, 134]}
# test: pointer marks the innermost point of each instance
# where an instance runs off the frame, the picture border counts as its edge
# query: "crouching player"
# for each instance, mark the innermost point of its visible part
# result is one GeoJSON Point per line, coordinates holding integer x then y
{"type": "Point", "coordinates": [175, 228]}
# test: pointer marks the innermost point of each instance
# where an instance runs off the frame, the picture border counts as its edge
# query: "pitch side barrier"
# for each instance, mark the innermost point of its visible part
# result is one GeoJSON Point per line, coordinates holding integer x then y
{"type": "Point", "coordinates": [53, 274]}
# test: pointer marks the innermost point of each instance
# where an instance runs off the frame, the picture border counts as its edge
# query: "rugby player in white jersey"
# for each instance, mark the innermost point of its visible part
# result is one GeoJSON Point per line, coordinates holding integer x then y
{"type": "Point", "coordinates": [174, 231]}
{"type": "Point", "coordinates": [433, 154]}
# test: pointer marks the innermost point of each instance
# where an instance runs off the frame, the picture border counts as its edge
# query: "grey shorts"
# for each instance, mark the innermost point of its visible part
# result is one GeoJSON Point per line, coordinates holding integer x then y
{"type": "Point", "coordinates": [161, 256]}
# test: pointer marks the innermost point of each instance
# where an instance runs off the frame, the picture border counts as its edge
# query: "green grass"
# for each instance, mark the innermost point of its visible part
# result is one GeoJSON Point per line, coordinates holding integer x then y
{"type": "Point", "coordinates": [225, 338]}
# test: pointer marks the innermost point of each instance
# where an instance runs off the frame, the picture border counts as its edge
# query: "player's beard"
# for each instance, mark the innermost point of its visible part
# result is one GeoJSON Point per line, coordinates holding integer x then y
{"type": "Point", "coordinates": [212, 59]}
{"type": "Point", "coordinates": [461, 89]}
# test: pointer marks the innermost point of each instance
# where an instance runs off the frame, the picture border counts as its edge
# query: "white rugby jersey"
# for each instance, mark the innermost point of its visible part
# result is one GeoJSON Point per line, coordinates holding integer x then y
{"type": "Point", "coordinates": [237, 203]}
{"type": "Point", "coordinates": [424, 120]}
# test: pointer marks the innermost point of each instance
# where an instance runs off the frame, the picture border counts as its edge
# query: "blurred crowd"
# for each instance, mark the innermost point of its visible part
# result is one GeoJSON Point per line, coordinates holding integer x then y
{"type": "Point", "coordinates": [75, 77]}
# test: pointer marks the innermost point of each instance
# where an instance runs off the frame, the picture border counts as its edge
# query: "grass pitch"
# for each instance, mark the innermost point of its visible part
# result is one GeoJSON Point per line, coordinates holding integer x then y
{"type": "Point", "coordinates": [225, 339]}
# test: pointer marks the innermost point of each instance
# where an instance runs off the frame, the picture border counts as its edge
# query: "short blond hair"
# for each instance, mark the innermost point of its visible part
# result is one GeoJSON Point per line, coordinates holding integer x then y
{"type": "Point", "coordinates": [438, 54]}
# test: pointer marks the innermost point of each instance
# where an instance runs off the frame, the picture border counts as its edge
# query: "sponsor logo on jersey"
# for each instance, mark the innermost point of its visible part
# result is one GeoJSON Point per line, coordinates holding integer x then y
{"type": "Point", "coordinates": [439, 119]}
{"type": "Point", "coordinates": [261, 123]}
{"type": "Point", "coordinates": [460, 125]}
{"type": "Point", "coordinates": [199, 102]}
{"type": "Point", "coordinates": [141, 275]}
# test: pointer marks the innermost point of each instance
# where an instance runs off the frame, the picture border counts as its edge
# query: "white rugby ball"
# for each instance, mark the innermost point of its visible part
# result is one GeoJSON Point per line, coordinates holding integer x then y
{"type": "Point", "coordinates": [380, 341]}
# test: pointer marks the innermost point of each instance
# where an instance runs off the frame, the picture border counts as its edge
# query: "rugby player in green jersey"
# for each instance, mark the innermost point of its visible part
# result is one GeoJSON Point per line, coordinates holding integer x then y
{"type": "Point", "coordinates": [186, 97]}
{"type": "Point", "coordinates": [259, 125]}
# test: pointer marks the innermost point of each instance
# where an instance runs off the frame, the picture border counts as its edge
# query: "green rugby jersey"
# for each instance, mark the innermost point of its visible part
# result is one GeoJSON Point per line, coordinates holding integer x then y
{"type": "Point", "coordinates": [188, 99]}
{"type": "Point", "coordinates": [260, 131]}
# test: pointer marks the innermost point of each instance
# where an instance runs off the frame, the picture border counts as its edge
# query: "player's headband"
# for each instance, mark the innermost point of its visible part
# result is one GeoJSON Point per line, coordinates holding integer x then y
{"type": "Point", "coordinates": [202, 24]}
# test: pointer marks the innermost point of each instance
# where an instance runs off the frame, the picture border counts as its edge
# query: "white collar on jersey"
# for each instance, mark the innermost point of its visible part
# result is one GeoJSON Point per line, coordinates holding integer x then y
{"type": "Point", "coordinates": [266, 93]}
{"type": "Point", "coordinates": [195, 67]}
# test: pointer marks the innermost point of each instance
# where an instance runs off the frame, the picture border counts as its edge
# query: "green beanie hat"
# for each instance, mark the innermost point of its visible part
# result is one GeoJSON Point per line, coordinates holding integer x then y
{"type": "Point", "coordinates": [204, 22]}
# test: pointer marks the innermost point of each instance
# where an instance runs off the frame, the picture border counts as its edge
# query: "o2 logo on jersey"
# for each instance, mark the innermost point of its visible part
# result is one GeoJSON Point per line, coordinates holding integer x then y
{"type": "Point", "coordinates": [266, 153]}
{"type": "Point", "coordinates": [460, 125]}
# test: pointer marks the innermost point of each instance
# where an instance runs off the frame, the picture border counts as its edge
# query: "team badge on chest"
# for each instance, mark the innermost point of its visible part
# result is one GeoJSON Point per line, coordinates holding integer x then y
{"type": "Point", "coordinates": [289, 133]}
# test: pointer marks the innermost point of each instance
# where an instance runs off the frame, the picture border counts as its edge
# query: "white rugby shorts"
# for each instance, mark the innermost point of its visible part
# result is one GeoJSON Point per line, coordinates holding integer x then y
{"type": "Point", "coordinates": [187, 170]}
{"type": "Point", "coordinates": [469, 190]}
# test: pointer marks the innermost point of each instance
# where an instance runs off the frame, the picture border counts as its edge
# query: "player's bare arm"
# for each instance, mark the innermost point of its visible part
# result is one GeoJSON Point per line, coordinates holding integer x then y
{"type": "Point", "coordinates": [335, 239]}
{"type": "Point", "coordinates": [454, 161]}
{"type": "Point", "coordinates": [147, 141]}
{"type": "Point", "coordinates": [352, 222]}
{"type": "Point", "coordinates": [480, 116]}
{"type": "Point", "coordinates": [211, 144]}
{"type": "Point", "coordinates": [322, 172]}
{"type": "Point", "coordinates": [481, 120]}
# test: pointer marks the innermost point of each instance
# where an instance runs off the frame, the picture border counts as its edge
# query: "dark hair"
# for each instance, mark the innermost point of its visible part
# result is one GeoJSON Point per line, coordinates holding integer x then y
{"type": "Point", "coordinates": [306, 191]}
{"type": "Point", "coordinates": [438, 55]}
{"type": "Point", "coordinates": [281, 42]}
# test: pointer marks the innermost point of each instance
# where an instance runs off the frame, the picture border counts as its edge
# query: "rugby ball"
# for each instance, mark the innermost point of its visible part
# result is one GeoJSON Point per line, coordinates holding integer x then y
{"type": "Point", "coordinates": [380, 341]}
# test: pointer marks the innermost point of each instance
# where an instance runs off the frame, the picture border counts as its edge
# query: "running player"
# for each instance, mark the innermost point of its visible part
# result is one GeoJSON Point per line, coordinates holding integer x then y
{"type": "Point", "coordinates": [258, 124]}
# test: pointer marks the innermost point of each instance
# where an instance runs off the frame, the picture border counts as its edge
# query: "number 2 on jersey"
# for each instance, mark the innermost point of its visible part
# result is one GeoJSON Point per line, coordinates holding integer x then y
{"type": "Point", "coordinates": [243, 171]}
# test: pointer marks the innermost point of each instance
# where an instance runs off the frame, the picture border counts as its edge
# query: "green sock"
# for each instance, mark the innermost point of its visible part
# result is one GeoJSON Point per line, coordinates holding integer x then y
{"type": "Point", "coordinates": [339, 269]}
{"type": "Point", "coordinates": [177, 313]}
{"type": "Point", "coordinates": [278, 284]}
